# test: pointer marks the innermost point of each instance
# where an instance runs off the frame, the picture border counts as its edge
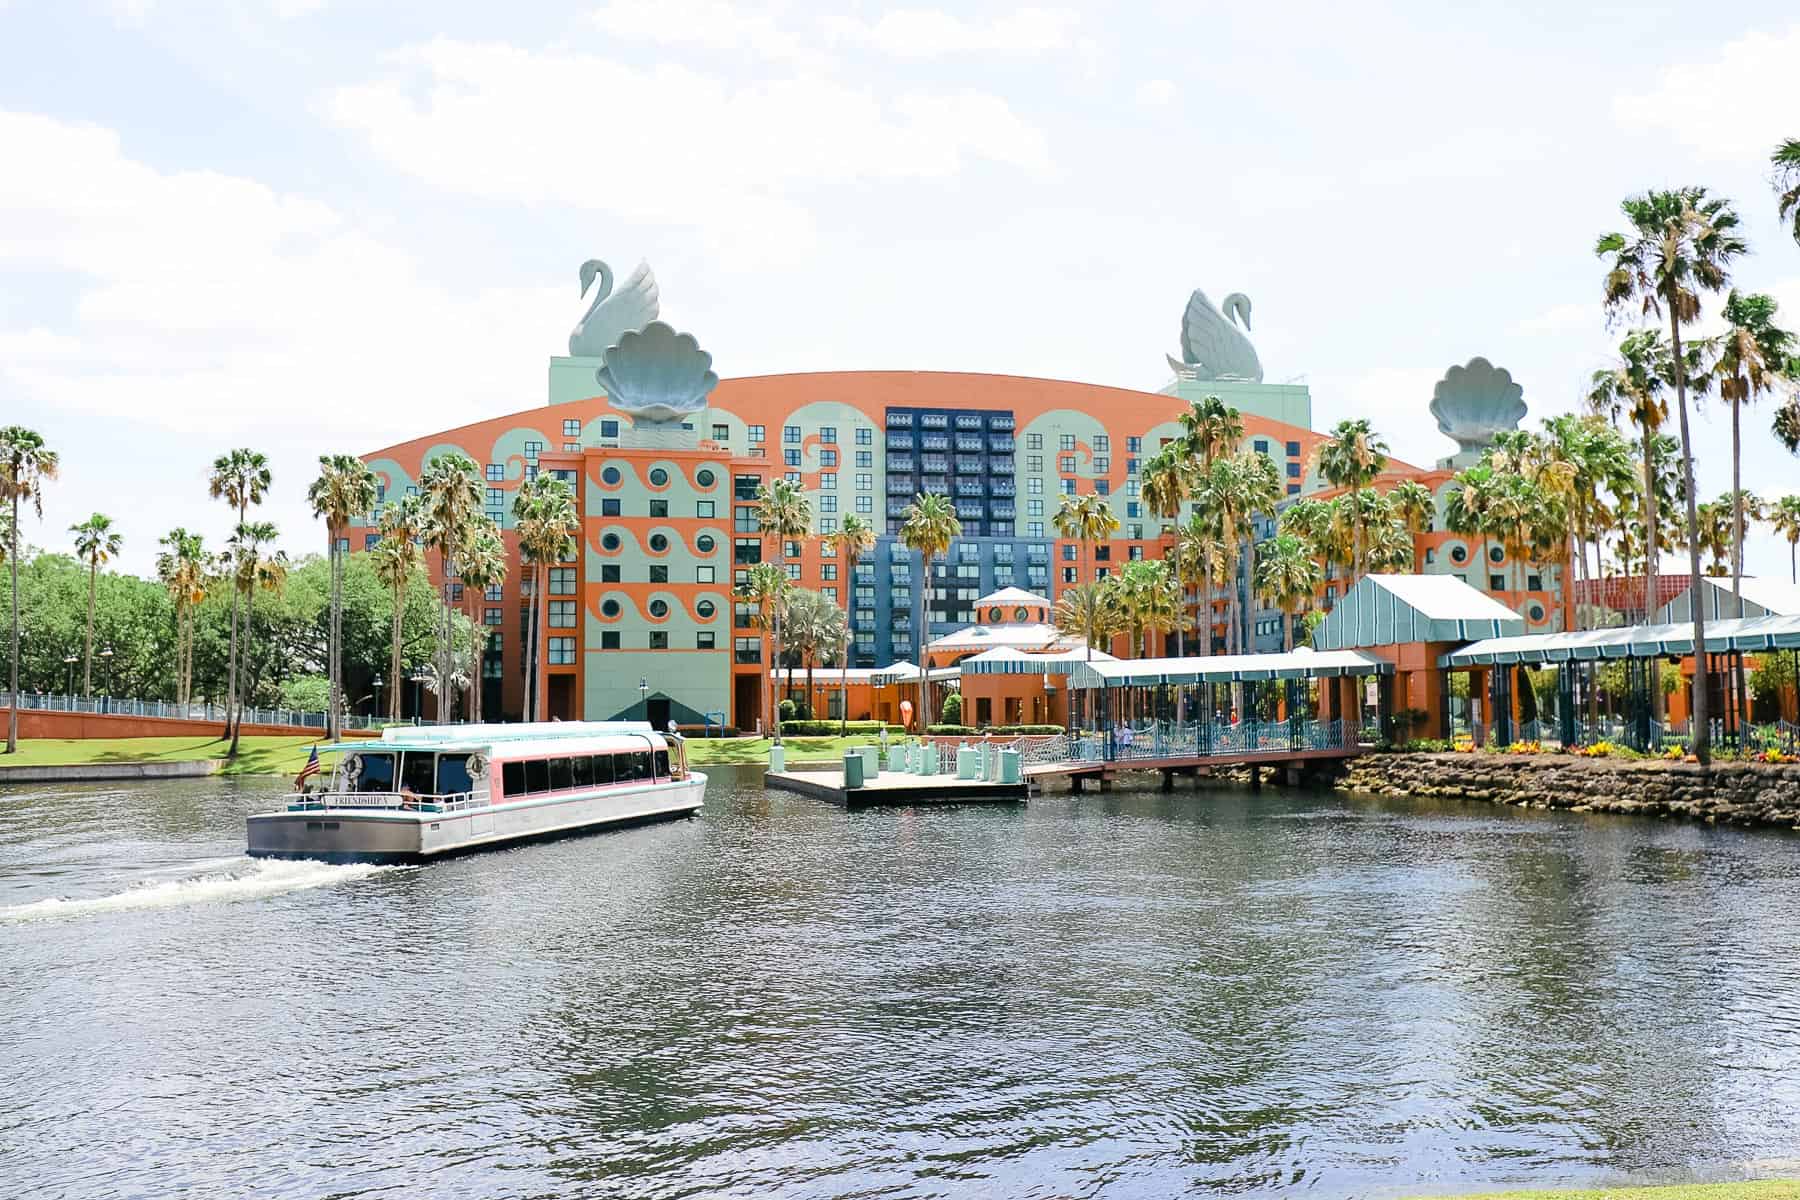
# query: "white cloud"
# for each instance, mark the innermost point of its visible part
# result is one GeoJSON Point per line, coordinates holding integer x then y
{"type": "Point", "coordinates": [730, 159]}
{"type": "Point", "coordinates": [1736, 104]}
{"type": "Point", "coordinates": [1564, 318]}
{"type": "Point", "coordinates": [708, 24]}
{"type": "Point", "coordinates": [933, 32]}
{"type": "Point", "coordinates": [1155, 93]}
{"type": "Point", "coordinates": [1394, 399]}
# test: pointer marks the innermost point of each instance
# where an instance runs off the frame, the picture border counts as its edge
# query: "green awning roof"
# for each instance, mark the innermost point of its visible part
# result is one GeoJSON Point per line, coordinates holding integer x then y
{"type": "Point", "coordinates": [1389, 610]}
{"type": "Point", "coordinates": [1228, 668]}
{"type": "Point", "coordinates": [1630, 641]}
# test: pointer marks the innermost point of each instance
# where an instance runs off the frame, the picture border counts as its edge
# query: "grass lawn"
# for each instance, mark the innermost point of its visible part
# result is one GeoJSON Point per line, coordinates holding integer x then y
{"type": "Point", "coordinates": [257, 754]}
{"type": "Point", "coordinates": [1762, 1189]}
{"type": "Point", "coordinates": [703, 751]}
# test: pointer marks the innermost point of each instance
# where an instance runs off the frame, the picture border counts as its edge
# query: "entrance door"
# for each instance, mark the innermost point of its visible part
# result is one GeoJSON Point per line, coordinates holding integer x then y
{"type": "Point", "coordinates": [746, 702]}
{"type": "Point", "coordinates": [658, 707]}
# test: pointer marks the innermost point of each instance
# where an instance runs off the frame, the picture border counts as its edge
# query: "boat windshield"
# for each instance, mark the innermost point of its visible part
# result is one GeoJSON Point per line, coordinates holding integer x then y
{"type": "Point", "coordinates": [373, 773]}
{"type": "Point", "coordinates": [453, 775]}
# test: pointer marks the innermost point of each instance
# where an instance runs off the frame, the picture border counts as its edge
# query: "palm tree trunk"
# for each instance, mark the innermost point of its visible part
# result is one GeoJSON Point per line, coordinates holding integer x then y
{"type": "Point", "coordinates": [1356, 533]}
{"type": "Point", "coordinates": [395, 624]}
{"type": "Point", "coordinates": [12, 558]}
{"type": "Point", "coordinates": [1702, 676]}
{"type": "Point", "coordinates": [87, 651]}
{"type": "Point", "coordinates": [1737, 510]}
{"type": "Point", "coordinates": [1250, 577]}
{"type": "Point", "coordinates": [445, 650]}
{"type": "Point", "coordinates": [238, 723]}
{"type": "Point", "coordinates": [920, 639]}
{"type": "Point", "coordinates": [231, 673]}
{"type": "Point", "coordinates": [1206, 612]}
{"type": "Point", "coordinates": [1650, 530]}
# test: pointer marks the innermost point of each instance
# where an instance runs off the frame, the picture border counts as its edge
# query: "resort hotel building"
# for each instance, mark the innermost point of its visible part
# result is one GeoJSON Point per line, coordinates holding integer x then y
{"type": "Point", "coordinates": [665, 460]}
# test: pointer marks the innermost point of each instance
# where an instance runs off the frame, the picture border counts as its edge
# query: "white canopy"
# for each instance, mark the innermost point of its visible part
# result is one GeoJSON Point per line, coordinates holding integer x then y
{"type": "Point", "coordinates": [1228, 668]}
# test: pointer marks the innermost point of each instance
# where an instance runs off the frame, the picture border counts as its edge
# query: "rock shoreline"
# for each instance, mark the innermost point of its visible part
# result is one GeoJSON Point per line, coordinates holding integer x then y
{"type": "Point", "coordinates": [1725, 793]}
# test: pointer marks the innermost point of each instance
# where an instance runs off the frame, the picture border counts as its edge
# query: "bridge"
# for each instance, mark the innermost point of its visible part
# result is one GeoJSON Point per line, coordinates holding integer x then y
{"type": "Point", "coordinates": [1193, 748]}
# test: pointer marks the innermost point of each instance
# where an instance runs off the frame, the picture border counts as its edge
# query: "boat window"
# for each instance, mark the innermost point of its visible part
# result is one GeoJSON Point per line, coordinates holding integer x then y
{"type": "Point", "coordinates": [512, 778]}
{"type": "Point", "coordinates": [584, 771]}
{"type": "Point", "coordinates": [377, 773]}
{"type": "Point", "coordinates": [418, 773]}
{"type": "Point", "coordinates": [662, 764]}
{"type": "Point", "coordinates": [633, 765]}
{"type": "Point", "coordinates": [453, 774]}
{"type": "Point", "coordinates": [562, 775]}
{"type": "Point", "coordinates": [602, 765]}
{"type": "Point", "coordinates": [537, 775]}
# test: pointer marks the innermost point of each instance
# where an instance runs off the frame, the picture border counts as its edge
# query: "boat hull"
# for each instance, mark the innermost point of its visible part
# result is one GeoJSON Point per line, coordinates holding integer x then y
{"type": "Point", "coordinates": [387, 836]}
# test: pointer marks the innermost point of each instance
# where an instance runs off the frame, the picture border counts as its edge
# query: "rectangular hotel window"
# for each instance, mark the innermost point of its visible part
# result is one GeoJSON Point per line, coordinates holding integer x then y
{"type": "Point", "coordinates": [792, 477]}
{"type": "Point", "coordinates": [747, 649]}
{"type": "Point", "coordinates": [659, 572]}
{"type": "Point", "coordinates": [1496, 583]}
{"type": "Point", "coordinates": [827, 481]}
{"type": "Point", "coordinates": [609, 639]}
{"type": "Point", "coordinates": [790, 458]}
{"type": "Point", "coordinates": [1131, 487]}
{"type": "Point", "coordinates": [865, 458]}
{"type": "Point", "coordinates": [562, 614]}
{"type": "Point", "coordinates": [1066, 464]}
{"type": "Point", "coordinates": [571, 427]}
{"type": "Point", "coordinates": [705, 640]}
{"type": "Point", "coordinates": [744, 519]}
{"type": "Point", "coordinates": [609, 573]}
{"type": "Point", "coordinates": [829, 571]}
{"type": "Point", "coordinates": [746, 550]}
{"type": "Point", "coordinates": [456, 592]}
{"type": "Point", "coordinates": [1066, 442]}
{"type": "Point", "coordinates": [496, 472]}
{"type": "Point", "coordinates": [1102, 442]}
{"type": "Point", "coordinates": [1430, 556]}
{"type": "Point", "coordinates": [1132, 509]}
{"type": "Point", "coordinates": [659, 639]}
{"type": "Point", "coordinates": [495, 498]}
{"type": "Point", "coordinates": [703, 508]}
{"type": "Point", "coordinates": [609, 429]}
{"type": "Point", "coordinates": [828, 504]}
{"type": "Point", "coordinates": [1034, 508]}
{"type": "Point", "coordinates": [756, 433]}
{"type": "Point", "coordinates": [1131, 465]}
{"type": "Point", "coordinates": [1035, 485]}
{"type": "Point", "coordinates": [864, 482]}
{"type": "Point", "coordinates": [1101, 487]}
{"type": "Point", "coordinates": [371, 540]}
{"type": "Point", "coordinates": [790, 434]}
{"type": "Point", "coordinates": [1102, 464]}
{"type": "Point", "coordinates": [1293, 449]}
{"type": "Point", "coordinates": [492, 616]}
{"type": "Point", "coordinates": [793, 572]}
{"type": "Point", "coordinates": [828, 458]}
{"type": "Point", "coordinates": [1293, 470]}
{"type": "Point", "coordinates": [865, 436]}
{"type": "Point", "coordinates": [1102, 553]}
{"type": "Point", "coordinates": [562, 581]}
{"type": "Point", "coordinates": [1034, 441]}
{"type": "Point", "coordinates": [659, 508]}
{"type": "Point", "coordinates": [705, 574]}
{"type": "Point", "coordinates": [721, 433]}
{"type": "Point", "coordinates": [1134, 445]}
{"type": "Point", "coordinates": [562, 651]}
{"type": "Point", "coordinates": [1534, 583]}
{"type": "Point", "coordinates": [1070, 551]}
{"type": "Point", "coordinates": [1068, 487]}
{"type": "Point", "coordinates": [494, 593]}
{"type": "Point", "coordinates": [828, 435]}
{"type": "Point", "coordinates": [865, 504]}
{"type": "Point", "coordinates": [744, 487]}
{"type": "Point", "coordinates": [791, 549]}
{"type": "Point", "coordinates": [1068, 574]}
{"type": "Point", "coordinates": [830, 593]}
{"type": "Point", "coordinates": [532, 450]}
{"type": "Point", "coordinates": [1260, 445]}
{"type": "Point", "coordinates": [572, 447]}
{"type": "Point", "coordinates": [1034, 462]}
{"type": "Point", "coordinates": [609, 506]}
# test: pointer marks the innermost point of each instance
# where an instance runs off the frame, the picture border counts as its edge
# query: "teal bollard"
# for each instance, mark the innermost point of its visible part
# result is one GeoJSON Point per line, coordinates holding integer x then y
{"type": "Point", "coordinates": [968, 763]}
{"type": "Point", "coordinates": [928, 759]}
{"type": "Point", "coordinates": [1011, 766]}
{"type": "Point", "coordinates": [777, 758]}
{"type": "Point", "coordinates": [853, 769]}
{"type": "Point", "coordinates": [897, 759]}
{"type": "Point", "coordinates": [871, 761]}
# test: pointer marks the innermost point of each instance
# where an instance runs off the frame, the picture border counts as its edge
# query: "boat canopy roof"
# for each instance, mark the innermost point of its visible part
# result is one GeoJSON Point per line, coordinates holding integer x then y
{"type": "Point", "coordinates": [533, 739]}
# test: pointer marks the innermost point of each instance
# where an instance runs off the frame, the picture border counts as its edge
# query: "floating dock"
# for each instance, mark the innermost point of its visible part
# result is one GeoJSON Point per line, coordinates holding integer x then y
{"type": "Point", "coordinates": [893, 789]}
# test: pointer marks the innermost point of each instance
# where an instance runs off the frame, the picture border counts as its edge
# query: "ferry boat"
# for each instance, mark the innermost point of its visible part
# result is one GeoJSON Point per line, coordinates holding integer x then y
{"type": "Point", "coordinates": [419, 793]}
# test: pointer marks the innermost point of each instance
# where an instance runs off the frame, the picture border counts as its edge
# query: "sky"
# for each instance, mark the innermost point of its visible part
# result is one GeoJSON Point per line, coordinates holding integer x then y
{"type": "Point", "coordinates": [317, 226]}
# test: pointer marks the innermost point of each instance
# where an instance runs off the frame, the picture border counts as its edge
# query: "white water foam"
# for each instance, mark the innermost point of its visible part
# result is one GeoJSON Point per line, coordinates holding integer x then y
{"type": "Point", "coordinates": [243, 879]}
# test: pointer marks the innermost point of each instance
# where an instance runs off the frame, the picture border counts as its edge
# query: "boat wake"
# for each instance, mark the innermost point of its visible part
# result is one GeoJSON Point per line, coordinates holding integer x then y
{"type": "Point", "coordinates": [235, 879]}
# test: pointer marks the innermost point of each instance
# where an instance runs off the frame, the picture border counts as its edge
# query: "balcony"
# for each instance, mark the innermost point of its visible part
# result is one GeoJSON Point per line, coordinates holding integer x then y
{"type": "Point", "coordinates": [1001, 443]}
{"type": "Point", "coordinates": [934, 421]}
{"type": "Point", "coordinates": [970, 487]}
{"type": "Point", "coordinates": [1000, 421]}
{"type": "Point", "coordinates": [934, 464]}
{"type": "Point", "coordinates": [1003, 487]}
{"type": "Point", "coordinates": [899, 441]}
{"type": "Point", "coordinates": [934, 441]}
{"type": "Point", "coordinates": [968, 420]}
{"type": "Point", "coordinates": [969, 511]}
{"type": "Point", "coordinates": [970, 464]}
{"type": "Point", "coordinates": [902, 464]}
{"type": "Point", "coordinates": [899, 420]}
{"type": "Point", "coordinates": [935, 485]}
{"type": "Point", "coordinates": [899, 485]}
{"type": "Point", "coordinates": [897, 508]}
{"type": "Point", "coordinates": [1000, 512]}
{"type": "Point", "coordinates": [969, 443]}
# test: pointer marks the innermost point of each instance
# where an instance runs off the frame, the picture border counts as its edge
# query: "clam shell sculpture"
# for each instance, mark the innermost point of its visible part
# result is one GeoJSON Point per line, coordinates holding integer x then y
{"type": "Point", "coordinates": [656, 374]}
{"type": "Point", "coordinates": [1472, 403]}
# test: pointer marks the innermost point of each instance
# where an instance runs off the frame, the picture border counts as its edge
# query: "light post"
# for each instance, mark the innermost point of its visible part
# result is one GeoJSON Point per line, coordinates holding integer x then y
{"type": "Point", "coordinates": [69, 662]}
{"type": "Point", "coordinates": [379, 681]}
{"type": "Point", "coordinates": [418, 677]}
{"type": "Point", "coordinates": [106, 657]}
{"type": "Point", "coordinates": [644, 696]}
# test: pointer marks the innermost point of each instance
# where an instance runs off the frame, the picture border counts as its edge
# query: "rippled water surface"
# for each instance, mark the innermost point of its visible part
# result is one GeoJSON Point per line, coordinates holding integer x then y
{"type": "Point", "coordinates": [1121, 995]}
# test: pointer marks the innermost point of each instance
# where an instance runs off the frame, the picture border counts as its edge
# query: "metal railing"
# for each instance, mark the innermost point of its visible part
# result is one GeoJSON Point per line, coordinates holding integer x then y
{"type": "Point", "coordinates": [114, 706]}
{"type": "Point", "coordinates": [1151, 741]}
{"type": "Point", "coordinates": [447, 803]}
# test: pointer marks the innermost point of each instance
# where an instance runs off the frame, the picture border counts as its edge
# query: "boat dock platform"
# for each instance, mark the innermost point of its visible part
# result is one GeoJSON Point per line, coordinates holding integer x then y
{"type": "Point", "coordinates": [892, 789]}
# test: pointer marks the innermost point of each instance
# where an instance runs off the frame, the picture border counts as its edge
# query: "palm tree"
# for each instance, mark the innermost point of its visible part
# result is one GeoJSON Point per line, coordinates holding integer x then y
{"type": "Point", "coordinates": [1196, 566]}
{"type": "Point", "coordinates": [396, 556]}
{"type": "Point", "coordinates": [1786, 161]}
{"type": "Point", "coordinates": [784, 513]}
{"type": "Point", "coordinates": [1390, 550]}
{"type": "Point", "coordinates": [545, 515]}
{"type": "Point", "coordinates": [483, 566]}
{"type": "Point", "coordinates": [1787, 421]}
{"type": "Point", "coordinates": [1753, 351]}
{"type": "Point", "coordinates": [1287, 578]}
{"type": "Point", "coordinates": [95, 542]}
{"type": "Point", "coordinates": [815, 628]}
{"type": "Point", "coordinates": [26, 464]}
{"type": "Point", "coordinates": [929, 528]}
{"type": "Point", "coordinates": [1148, 602]}
{"type": "Point", "coordinates": [1635, 386]}
{"type": "Point", "coordinates": [1260, 488]}
{"type": "Point", "coordinates": [1210, 429]}
{"type": "Point", "coordinates": [855, 538]}
{"type": "Point", "coordinates": [451, 487]}
{"type": "Point", "coordinates": [1414, 507]}
{"type": "Point", "coordinates": [765, 586]}
{"type": "Point", "coordinates": [250, 570]}
{"type": "Point", "coordinates": [240, 478]}
{"type": "Point", "coordinates": [1351, 457]}
{"type": "Point", "coordinates": [345, 489]}
{"type": "Point", "coordinates": [1785, 517]}
{"type": "Point", "coordinates": [1599, 465]}
{"type": "Point", "coordinates": [1681, 245]}
{"type": "Point", "coordinates": [1087, 519]}
{"type": "Point", "coordinates": [1086, 610]}
{"type": "Point", "coordinates": [1538, 493]}
{"type": "Point", "coordinates": [1468, 509]}
{"type": "Point", "coordinates": [183, 567]}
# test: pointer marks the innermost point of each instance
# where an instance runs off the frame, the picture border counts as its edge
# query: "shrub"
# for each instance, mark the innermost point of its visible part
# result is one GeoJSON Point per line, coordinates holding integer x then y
{"type": "Point", "coordinates": [950, 730]}
{"type": "Point", "coordinates": [789, 711]}
{"type": "Point", "coordinates": [830, 728]}
{"type": "Point", "coordinates": [952, 714]}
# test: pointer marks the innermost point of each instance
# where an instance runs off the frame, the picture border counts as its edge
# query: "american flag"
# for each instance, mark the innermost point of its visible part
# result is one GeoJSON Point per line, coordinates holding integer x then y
{"type": "Point", "coordinates": [308, 771]}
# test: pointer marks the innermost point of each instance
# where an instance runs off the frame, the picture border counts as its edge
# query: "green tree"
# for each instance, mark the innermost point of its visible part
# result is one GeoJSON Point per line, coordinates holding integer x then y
{"type": "Point", "coordinates": [1087, 519]}
{"type": "Point", "coordinates": [26, 464]}
{"type": "Point", "coordinates": [1786, 161]}
{"type": "Point", "coordinates": [815, 629]}
{"type": "Point", "coordinates": [1148, 602]}
{"type": "Point", "coordinates": [483, 566]}
{"type": "Point", "coordinates": [1260, 491]}
{"type": "Point", "coordinates": [545, 516]}
{"type": "Point", "coordinates": [96, 542]}
{"type": "Point", "coordinates": [766, 586]}
{"type": "Point", "coordinates": [784, 513]}
{"type": "Point", "coordinates": [396, 559]}
{"type": "Point", "coordinates": [929, 527]}
{"type": "Point", "coordinates": [184, 568]}
{"type": "Point", "coordinates": [1753, 351]}
{"type": "Point", "coordinates": [1413, 506]}
{"type": "Point", "coordinates": [1785, 517]}
{"type": "Point", "coordinates": [1680, 245]}
{"type": "Point", "coordinates": [451, 487]}
{"type": "Point", "coordinates": [252, 570]}
{"type": "Point", "coordinates": [854, 538]}
{"type": "Point", "coordinates": [345, 489]}
{"type": "Point", "coordinates": [1600, 473]}
{"type": "Point", "coordinates": [1636, 386]}
{"type": "Point", "coordinates": [1351, 457]}
{"type": "Point", "coordinates": [1087, 610]}
{"type": "Point", "coordinates": [240, 478]}
{"type": "Point", "coordinates": [1287, 579]}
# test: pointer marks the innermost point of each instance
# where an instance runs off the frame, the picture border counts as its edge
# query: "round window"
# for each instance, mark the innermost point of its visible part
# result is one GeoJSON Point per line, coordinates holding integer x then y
{"type": "Point", "coordinates": [659, 608]}
{"type": "Point", "coordinates": [1537, 612]}
{"type": "Point", "coordinates": [609, 607]}
{"type": "Point", "coordinates": [1458, 554]}
{"type": "Point", "coordinates": [706, 608]}
{"type": "Point", "coordinates": [994, 614]}
{"type": "Point", "coordinates": [659, 542]}
{"type": "Point", "coordinates": [1021, 614]}
{"type": "Point", "coordinates": [609, 540]}
{"type": "Point", "coordinates": [658, 477]}
{"type": "Point", "coordinates": [610, 477]}
{"type": "Point", "coordinates": [1495, 554]}
{"type": "Point", "coordinates": [704, 543]}
{"type": "Point", "coordinates": [705, 478]}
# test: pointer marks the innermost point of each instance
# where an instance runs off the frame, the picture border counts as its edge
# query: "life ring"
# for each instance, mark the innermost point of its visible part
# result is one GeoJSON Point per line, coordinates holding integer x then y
{"type": "Point", "coordinates": [353, 769]}
{"type": "Point", "coordinates": [477, 766]}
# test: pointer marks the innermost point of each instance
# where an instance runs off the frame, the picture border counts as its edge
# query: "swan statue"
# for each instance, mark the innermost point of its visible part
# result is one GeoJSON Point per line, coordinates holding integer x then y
{"type": "Point", "coordinates": [1212, 347]}
{"type": "Point", "coordinates": [613, 314]}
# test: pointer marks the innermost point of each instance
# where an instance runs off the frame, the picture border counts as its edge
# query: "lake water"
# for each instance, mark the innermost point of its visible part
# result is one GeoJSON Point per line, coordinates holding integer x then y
{"type": "Point", "coordinates": [1122, 995]}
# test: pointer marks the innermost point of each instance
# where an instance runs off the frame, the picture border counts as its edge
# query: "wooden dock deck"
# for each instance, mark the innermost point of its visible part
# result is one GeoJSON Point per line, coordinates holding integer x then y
{"type": "Point", "coordinates": [893, 789]}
